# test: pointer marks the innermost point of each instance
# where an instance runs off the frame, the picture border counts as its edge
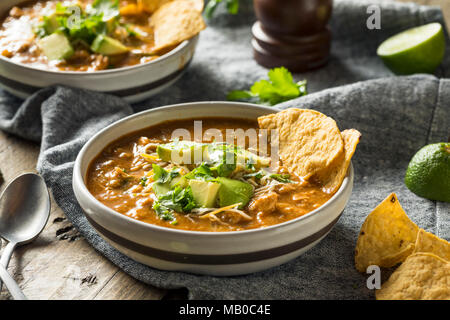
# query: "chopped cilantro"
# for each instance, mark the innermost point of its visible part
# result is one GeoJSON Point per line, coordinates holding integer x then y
{"type": "Point", "coordinates": [261, 173]}
{"type": "Point", "coordinates": [258, 174]}
{"type": "Point", "coordinates": [176, 200]}
{"type": "Point", "coordinates": [231, 5]}
{"type": "Point", "coordinates": [163, 212]}
{"type": "Point", "coordinates": [143, 181]}
{"type": "Point", "coordinates": [162, 176]}
{"type": "Point", "coordinates": [279, 88]}
{"type": "Point", "coordinates": [107, 9]}
{"type": "Point", "coordinates": [281, 177]}
{"type": "Point", "coordinates": [102, 17]}
{"type": "Point", "coordinates": [202, 172]}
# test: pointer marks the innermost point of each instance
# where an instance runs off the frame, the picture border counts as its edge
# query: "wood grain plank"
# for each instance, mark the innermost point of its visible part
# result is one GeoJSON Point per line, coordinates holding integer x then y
{"type": "Point", "coordinates": [119, 287]}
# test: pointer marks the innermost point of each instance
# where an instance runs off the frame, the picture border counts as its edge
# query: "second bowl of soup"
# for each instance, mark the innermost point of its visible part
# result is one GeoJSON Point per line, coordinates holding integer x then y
{"type": "Point", "coordinates": [119, 47]}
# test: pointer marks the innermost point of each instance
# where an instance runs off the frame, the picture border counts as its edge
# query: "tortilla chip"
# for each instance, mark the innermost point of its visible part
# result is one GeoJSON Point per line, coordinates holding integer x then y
{"type": "Point", "coordinates": [428, 242]}
{"type": "Point", "coordinates": [152, 5]}
{"type": "Point", "coordinates": [198, 4]}
{"type": "Point", "coordinates": [175, 22]}
{"type": "Point", "coordinates": [423, 276]}
{"type": "Point", "coordinates": [309, 141]}
{"type": "Point", "coordinates": [387, 236]}
{"type": "Point", "coordinates": [333, 179]}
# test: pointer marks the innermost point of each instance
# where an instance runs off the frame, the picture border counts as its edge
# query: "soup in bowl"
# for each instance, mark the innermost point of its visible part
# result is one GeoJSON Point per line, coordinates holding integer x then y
{"type": "Point", "coordinates": [129, 48]}
{"type": "Point", "coordinates": [194, 188]}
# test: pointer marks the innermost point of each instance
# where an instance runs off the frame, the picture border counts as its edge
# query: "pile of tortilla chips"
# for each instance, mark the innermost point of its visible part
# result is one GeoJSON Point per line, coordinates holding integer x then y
{"type": "Point", "coordinates": [173, 21]}
{"type": "Point", "coordinates": [312, 146]}
{"type": "Point", "coordinates": [389, 237]}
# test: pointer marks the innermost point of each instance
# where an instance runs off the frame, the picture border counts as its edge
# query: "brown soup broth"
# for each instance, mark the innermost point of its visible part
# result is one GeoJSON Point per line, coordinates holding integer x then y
{"type": "Point", "coordinates": [285, 203]}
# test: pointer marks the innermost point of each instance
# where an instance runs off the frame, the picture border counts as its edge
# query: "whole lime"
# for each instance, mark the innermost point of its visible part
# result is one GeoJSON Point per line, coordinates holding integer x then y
{"type": "Point", "coordinates": [428, 173]}
{"type": "Point", "coordinates": [417, 50]}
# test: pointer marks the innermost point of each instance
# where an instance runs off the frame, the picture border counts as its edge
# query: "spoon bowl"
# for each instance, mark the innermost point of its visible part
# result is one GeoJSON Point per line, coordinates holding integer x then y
{"type": "Point", "coordinates": [24, 209]}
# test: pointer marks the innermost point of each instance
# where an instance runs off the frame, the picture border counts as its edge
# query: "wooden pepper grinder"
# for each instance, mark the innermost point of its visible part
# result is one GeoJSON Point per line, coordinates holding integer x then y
{"type": "Point", "coordinates": [292, 33]}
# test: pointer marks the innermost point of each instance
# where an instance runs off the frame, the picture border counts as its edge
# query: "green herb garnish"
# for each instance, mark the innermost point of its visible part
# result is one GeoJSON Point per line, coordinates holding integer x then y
{"type": "Point", "coordinates": [279, 88]}
{"type": "Point", "coordinates": [99, 18]}
{"type": "Point", "coordinates": [202, 172]}
{"type": "Point", "coordinates": [107, 9]}
{"type": "Point", "coordinates": [143, 181]}
{"type": "Point", "coordinates": [281, 177]}
{"type": "Point", "coordinates": [162, 176]}
{"type": "Point", "coordinates": [258, 174]}
{"type": "Point", "coordinates": [231, 5]}
{"type": "Point", "coordinates": [178, 200]}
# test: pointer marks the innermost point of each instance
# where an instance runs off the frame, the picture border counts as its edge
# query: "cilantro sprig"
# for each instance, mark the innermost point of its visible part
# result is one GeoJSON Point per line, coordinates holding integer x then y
{"type": "Point", "coordinates": [231, 5]}
{"type": "Point", "coordinates": [279, 88]}
{"type": "Point", "coordinates": [176, 200]}
{"type": "Point", "coordinates": [284, 178]}
{"type": "Point", "coordinates": [160, 175]}
{"type": "Point", "coordinates": [101, 17]}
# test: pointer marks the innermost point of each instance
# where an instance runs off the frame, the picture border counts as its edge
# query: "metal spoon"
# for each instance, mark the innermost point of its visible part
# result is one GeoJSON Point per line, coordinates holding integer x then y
{"type": "Point", "coordinates": [24, 212]}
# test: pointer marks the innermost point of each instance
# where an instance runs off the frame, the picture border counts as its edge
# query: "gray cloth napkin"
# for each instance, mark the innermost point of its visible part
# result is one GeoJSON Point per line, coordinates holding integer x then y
{"type": "Point", "coordinates": [396, 115]}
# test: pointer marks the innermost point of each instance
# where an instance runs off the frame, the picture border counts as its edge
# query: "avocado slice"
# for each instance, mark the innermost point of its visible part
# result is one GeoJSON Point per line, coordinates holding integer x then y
{"type": "Point", "coordinates": [205, 193]}
{"type": "Point", "coordinates": [56, 46]}
{"type": "Point", "coordinates": [51, 24]}
{"type": "Point", "coordinates": [234, 191]}
{"type": "Point", "coordinates": [179, 181]}
{"type": "Point", "coordinates": [108, 46]}
{"type": "Point", "coordinates": [182, 152]}
{"type": "Point", "coordinates": [160, 188]}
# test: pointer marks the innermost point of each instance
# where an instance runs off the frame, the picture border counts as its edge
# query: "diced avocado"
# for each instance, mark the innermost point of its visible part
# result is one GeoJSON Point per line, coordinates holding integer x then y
{"type": "Point", "coordinates": [111, 25]}
{"type": "Point", "coordinates": [181, 152]}
{"type": "Point", "coordinates": [160, 188]}
{"type": "Point", "coordinates": [51, 24]}
{"type": "Point", "coordinates": [180, 181]}
{"type": "Point", "coordinates": [56, 46]}
{"type": "Point", "coordinates": [234, 191]}
{"type": "Point", "coordinates": [205, 193]}
{"type": "Point", "coordinates": [108, 46]}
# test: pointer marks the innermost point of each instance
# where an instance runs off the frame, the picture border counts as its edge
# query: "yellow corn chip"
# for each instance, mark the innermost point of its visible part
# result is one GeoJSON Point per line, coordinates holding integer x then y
{"type": "Point", "coordinates": [175, 22]}
{"type": "Point", "coordinates": [152, 5]}
{"type": "Point", "coordinates": [423, 276]}
{"type": "Point", "coordinates": [309, 141]}
{"type": "Point", "coordinates": [333, 179]}
{"type": "Point", "coordinates": [428, 242]}
{"type": "Point", "coordinates": [198, 4]}
{"type": "Point", "coordinates": [387, 236]}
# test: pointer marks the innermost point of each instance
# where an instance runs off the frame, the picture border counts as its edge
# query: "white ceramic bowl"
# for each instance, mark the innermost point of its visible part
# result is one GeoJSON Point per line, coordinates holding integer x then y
{"type": "Point", "coordinates": [132, 83]}
{"type": "Point", "coordinates": [214, 253]}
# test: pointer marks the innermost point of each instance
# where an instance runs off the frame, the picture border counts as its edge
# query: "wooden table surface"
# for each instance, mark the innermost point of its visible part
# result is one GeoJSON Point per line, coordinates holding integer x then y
{"type": "Point", "coordinates": [60, 264]}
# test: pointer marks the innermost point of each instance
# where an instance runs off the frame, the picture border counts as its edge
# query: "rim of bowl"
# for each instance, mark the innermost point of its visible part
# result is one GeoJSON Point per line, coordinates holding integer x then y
{"type": "Point", "coordinates": [160, 59]}
{"type": "Point", "coordinates": [80, 180]}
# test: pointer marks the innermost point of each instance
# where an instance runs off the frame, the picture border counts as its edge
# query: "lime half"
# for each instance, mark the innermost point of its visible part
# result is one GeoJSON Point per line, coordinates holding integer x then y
{"type": "Point", "coordinates": [417, 50]}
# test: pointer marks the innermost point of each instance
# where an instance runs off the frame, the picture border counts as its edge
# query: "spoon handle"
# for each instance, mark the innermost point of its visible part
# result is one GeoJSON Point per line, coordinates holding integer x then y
{"type": "Point", "coordinates": [6, 257]}
{"type": "Point", "coordinates": [12, 285]}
